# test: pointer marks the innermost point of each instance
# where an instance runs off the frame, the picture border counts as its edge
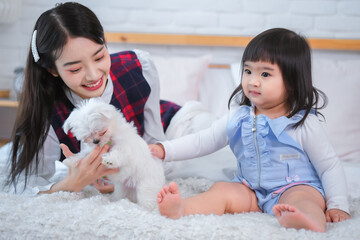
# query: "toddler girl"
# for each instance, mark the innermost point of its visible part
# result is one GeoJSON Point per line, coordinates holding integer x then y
{"type": "Point", "coordinates": [286, 165]}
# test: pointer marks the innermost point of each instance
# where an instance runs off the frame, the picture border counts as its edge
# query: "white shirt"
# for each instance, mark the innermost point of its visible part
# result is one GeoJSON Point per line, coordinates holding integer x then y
{"type": "Point", "coordinates": [311, 137]}
{"type": "Point", "coordinates": [153, 129]}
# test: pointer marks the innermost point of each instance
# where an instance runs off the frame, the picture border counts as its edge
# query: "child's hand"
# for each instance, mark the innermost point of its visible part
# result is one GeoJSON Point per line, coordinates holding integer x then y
{"type": "Point", "coordinates": [157, 150]}
{"type": "Point", "coordinates": [336, 215]}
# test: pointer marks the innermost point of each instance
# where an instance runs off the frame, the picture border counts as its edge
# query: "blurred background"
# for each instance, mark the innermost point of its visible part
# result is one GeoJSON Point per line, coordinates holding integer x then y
{"type": "Point", "coordinates": [312, 18]}
{"type": "Point", "coordinates": [339, 19]}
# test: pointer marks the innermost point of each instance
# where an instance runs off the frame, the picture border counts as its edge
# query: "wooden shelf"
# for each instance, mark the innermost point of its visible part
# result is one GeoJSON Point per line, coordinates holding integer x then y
{"type": "Point", "coordinates": [5, 99]}
{"type": "Point", "coordinates": [3, 141]}
{"type": "Point", "coordinates": [219, 41]}
{"type": "Point", "coordinates": [4, 93]}
{"type": "Point", "coordinates": [8, 103]}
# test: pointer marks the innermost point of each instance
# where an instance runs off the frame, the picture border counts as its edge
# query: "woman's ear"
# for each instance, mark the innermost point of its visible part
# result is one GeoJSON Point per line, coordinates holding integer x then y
{"type": "Point", "coordinates": [52, 72]}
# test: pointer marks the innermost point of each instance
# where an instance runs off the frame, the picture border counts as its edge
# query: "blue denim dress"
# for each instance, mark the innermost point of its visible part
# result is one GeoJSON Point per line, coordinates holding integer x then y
{"type": "Point", "coordinates": [269, 160]}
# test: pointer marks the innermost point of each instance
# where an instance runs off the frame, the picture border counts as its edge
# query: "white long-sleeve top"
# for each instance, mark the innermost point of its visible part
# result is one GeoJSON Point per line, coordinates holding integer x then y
{"type": "Point", "coordinates": [153, 130]}
{"type": "Point", "coordinates": [310, 136]}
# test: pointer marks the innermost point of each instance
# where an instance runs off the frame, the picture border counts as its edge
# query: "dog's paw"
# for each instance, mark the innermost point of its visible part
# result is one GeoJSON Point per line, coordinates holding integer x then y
{"type": "Point", "coordinates": [107, 160]}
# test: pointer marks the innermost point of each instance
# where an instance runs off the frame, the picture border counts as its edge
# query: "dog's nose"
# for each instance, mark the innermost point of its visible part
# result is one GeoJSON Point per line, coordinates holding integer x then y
{"type": "Point", "coordinates": [96, 141]}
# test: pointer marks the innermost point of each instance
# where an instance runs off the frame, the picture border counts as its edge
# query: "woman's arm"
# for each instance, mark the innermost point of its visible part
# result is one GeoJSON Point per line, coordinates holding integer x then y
{"type": "Point", "coordinates": [152, 119]}
{"type": "Point", "coordinates": [88, 170]}
{"type": "Point", "coordinates": [39, 180]}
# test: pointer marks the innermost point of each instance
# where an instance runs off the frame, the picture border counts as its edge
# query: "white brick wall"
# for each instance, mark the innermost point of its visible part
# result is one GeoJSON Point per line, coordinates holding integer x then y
{"type": "Point", "coordinates": [313, 18]}
{"type": "Point", "coordinates": [314, 8]}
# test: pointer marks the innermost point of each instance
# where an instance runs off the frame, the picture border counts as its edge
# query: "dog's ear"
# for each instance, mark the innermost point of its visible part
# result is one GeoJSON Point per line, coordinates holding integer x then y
{"type": "Point", "coordinates": [108, 111]}
{"type": "Point", "coordinates": [68, 124]}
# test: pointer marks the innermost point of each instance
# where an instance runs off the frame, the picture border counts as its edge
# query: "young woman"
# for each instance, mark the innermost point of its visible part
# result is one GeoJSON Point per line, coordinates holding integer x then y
{"type": "Point", "coordinates": [286, 164]}
{"type": "Point", "coordinates": [68, 61]}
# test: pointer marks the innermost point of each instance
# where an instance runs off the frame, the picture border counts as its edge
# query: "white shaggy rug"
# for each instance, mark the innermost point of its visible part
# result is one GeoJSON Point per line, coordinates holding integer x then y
{"type": "Point", "coordinates": [91, 215]}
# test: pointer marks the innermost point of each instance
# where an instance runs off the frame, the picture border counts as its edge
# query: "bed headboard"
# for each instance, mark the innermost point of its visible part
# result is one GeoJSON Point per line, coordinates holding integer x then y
{"type": "Point", "coordinates": [219, 41]}
{"type": "Point", "coordinates": [208, 40]}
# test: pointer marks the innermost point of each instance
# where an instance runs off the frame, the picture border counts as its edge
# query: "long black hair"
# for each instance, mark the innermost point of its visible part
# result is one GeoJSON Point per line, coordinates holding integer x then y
{"type": "Point", "coordinates": [41, 89]}
{"type": "Point", "coordinates": [292, 54]}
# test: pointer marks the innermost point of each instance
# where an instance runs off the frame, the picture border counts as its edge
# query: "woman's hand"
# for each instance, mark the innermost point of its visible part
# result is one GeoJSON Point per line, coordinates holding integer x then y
{"type": "Point", "coordinates": [103, 185]}
{"type": "Point", "coordinates": [88, 170]}
{"type": "Point", "coordinates": [157, 150]}
{"type": "Point", "coordinates": [336, 215]}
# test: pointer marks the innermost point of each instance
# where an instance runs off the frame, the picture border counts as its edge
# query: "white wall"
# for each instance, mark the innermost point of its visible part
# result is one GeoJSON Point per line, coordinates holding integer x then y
{"type": "Point", "coordinates": [312, 18]}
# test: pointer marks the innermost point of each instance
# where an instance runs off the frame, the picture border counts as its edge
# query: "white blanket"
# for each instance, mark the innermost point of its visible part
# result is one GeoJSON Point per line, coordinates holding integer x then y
{"type": "Point", "coordinates": [91, 215]}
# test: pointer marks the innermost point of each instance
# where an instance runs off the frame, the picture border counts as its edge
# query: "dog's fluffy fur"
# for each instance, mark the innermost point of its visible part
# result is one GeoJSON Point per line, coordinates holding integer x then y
{"type": "Point", "coordinates": [141, 176]}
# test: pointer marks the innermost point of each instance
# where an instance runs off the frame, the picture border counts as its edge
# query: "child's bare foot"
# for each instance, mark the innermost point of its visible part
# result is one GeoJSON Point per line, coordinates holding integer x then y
{"type": "Point", "coordinates": [170, 202]}
{"type": "Point", "coordinates": [290, 217]}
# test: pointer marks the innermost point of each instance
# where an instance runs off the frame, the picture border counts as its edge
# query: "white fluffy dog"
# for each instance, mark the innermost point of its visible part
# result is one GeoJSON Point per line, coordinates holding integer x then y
{"type": "Point", "coordinates": [141, 176]}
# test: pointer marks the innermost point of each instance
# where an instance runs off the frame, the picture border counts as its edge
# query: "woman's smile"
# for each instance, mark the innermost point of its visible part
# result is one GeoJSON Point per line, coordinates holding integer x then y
{"type": "Point", "coordinates": [94, 86]}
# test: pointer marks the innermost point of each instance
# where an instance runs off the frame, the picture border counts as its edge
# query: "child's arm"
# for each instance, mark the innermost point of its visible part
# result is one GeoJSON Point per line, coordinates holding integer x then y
{"type": "Point", "coordinates": [328, 167]}
{"type": "Point", "coordinates": [194, 145]}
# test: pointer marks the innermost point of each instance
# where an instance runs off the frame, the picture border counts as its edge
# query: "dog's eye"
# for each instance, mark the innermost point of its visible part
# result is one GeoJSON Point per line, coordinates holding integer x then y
{"type": "Point", "coordinates": [102, 133]}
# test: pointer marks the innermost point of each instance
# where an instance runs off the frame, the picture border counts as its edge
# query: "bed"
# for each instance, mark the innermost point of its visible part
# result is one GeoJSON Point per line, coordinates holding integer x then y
{"type": "Point", "coordinates": [207, 85]}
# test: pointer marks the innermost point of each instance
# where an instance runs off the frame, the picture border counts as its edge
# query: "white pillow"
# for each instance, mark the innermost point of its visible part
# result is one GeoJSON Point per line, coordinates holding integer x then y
{"type": "Point", "coordinates": [215, 90]}
{"type": "Point", "coordinates": [236, 73]}
{"type": "Point", "coordinates": [180, 77]}
{"type": "Point", "coordinates": [340, 80]}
